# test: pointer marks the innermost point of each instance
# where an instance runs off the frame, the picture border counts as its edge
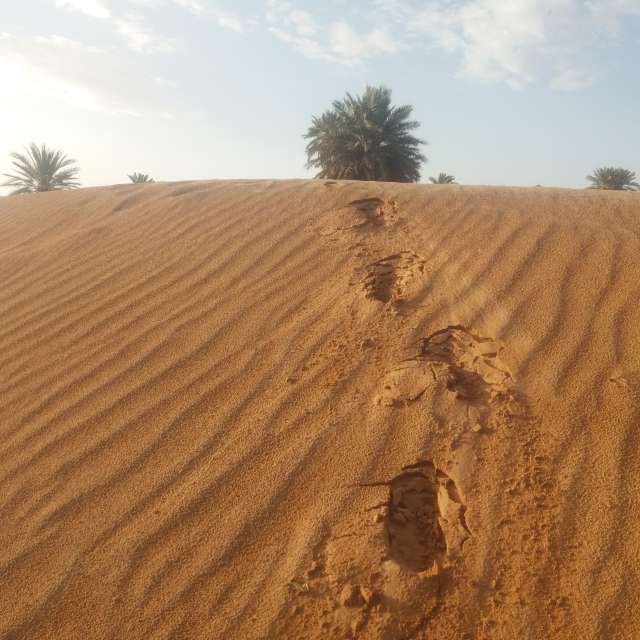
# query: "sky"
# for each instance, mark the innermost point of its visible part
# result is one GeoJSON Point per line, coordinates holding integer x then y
{"type": "Point", "coordinates": [508, 92]}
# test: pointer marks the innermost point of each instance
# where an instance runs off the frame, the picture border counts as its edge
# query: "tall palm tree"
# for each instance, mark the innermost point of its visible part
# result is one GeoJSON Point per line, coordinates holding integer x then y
{"type": "Point", "coordinates": [41, 169]}
{"type": "Point", "coordinates": [365, 138]}
{"type": "Point", "coordinates": [139, 178]}
{"type": "Point", "coordinates": [615, 178]}
{"type": "Point", "coordinates": [443, 178]}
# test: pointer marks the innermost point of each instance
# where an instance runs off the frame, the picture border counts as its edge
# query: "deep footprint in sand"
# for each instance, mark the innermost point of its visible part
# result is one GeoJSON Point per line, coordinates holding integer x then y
{"type": "Point", "coordinates": [388, 279]}
{"type": "Point", "coordinates": [380, 577]}
{"type": "Point", "coordinates": [426, 518]}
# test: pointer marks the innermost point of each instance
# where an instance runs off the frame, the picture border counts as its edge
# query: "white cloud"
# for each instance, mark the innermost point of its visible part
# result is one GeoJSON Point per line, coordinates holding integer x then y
{"type": "Point", "coordinates": [609, 13]}
{"type": "Point", "coordinates": [137, 35]}
{"type": "Point", "coordinates": [228, 20]}
{"type": "Point", "coordinates": [281, 12]}
{"type": "Point", "coordinates": [438, 24]}
{"type": "Point", "coordinates": [225, 19]}
{"type": "Point", "coordinates": [58, 41]}
{"type": "Point", "coordinates": [571, 79]}
{"type": "Point", "coordinates": [295, 27]}
{"type": "Point", "coordinates": [306, 46]}
{"type": "Point", "coordinates": [62, 42]}
{"type": "Point", "coordinates": [93, 8]}
{"type": "Point", "coordinates": [517, 42]}
{"type": "Point", "coordinates": [336, 42]}
{"type": "Point", "coordinates": [49, 68]}
{"type": "Point", "coordinates": [303, 22]}
{"type": "Point", "coordinates": [350, 46]}
{"type": "Point", "coordinates": [28, 80]}
{"type": "Point", "coordinates": [140, 38]}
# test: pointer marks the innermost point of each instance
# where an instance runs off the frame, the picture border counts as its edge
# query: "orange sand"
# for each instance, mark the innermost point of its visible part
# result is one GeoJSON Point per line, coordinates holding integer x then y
{"type": "Point", "coordinates": [306, 409]}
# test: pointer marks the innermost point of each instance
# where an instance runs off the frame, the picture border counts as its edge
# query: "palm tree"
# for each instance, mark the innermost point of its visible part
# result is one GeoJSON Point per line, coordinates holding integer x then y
{"type": "Point", "coordinates": [41, 169]}
{"type": "Point", "coordinates": [365, 138]}
{"type": "Point", "coordinates": [615, 178]}
{"type": "Point", "coordinates": [139, 178]}
{"type": "Point", "coordinates": [443, 178]}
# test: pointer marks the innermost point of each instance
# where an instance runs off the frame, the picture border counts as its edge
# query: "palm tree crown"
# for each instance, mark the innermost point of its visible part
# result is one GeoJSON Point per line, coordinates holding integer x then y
{"type": "Point", "coordinates": [41, 169]}
{"type": "Point", "coordinates": [443, 178]}
{"type": "Point", "coordinates": [365, 138]}
{"type": "Point", "coordinates": [615, 178]}
{"type": "Point", "coordinates": [140, 177]}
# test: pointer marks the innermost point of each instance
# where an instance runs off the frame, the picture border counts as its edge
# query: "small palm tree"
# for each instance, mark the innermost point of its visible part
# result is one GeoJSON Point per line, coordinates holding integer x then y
{"type": "Point", "coordinates": [615, 178]}
{"type": "Point", "coordinates": [443, 178]}
{"type": "Point", "coordinates": [41, 169]}
{"type": "Point", "coordinates": [365, 138]}
{"type": "Point", "coordinates": [139, 178]}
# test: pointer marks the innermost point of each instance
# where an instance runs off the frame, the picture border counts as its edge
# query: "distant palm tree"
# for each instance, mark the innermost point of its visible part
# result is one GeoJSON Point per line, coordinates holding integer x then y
{"type": "Point", "coordinates": [365, 138]}
{"type": "Point", "coordinates": [443, 178]}
{"type": "Point", "coordinates": [615, 178]}
{"type": "Point", "coordinates": [140, 177]}
{"type": "Point", "coordinates": [41, 169]}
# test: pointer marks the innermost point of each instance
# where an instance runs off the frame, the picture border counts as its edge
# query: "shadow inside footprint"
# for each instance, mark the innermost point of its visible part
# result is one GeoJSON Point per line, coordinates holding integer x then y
{"type": "Point", "coordinates": [389, 277]}
{"type": "Point", "coordinates": [367, 203]}
{"type": "Point", "coordinates": [415, 537]}
{"type": "Point", "coordinates": [426, 517]}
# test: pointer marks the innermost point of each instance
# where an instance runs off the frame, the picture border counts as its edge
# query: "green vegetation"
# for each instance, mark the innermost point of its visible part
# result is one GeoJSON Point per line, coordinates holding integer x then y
{"type": "Point", "coordinates": [139, 178]}
{"type": "Point", "coordinates": [365, 138]}
{"type": "Point", "coordinates": [41, 169]}
{"type": "Point", "coordinates": [615, 178]}
{"type": "Point", "coordinates": [443, 178]}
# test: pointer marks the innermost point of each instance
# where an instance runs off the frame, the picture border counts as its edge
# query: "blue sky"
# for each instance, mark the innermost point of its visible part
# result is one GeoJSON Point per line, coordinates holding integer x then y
{"type": "Point", "coordinates": [519, 92]}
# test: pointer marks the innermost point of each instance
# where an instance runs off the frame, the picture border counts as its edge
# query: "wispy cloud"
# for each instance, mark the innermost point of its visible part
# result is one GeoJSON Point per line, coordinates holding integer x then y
{"type": "Point", "coordinates": [141, 38]}
{"type": "Point", "coordinates": [351, 46]}
{"type": "Point", "coordinates": [62, 42]}
{"type": "Point", "coordinates": [133, 29]}
{"type": "Point", "coordinates": [25, 78]}
{"type": "Point", "coordinates": [48, 67]}
{"type": "Point", "coordinates": [336, 41]}
{"type": "Point", "coordinates": [93, 8]}
{"type": "Point", "coordinates": [518, 42]}
{"type": "Point", "coordinates": [224, 18]}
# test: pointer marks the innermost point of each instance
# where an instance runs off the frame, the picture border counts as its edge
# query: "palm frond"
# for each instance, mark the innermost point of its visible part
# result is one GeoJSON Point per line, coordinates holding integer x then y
{"type": "Point", "coordinates": [365, 138]}
{"type": "Point", "coordinates": [41, 169]}
{"type": "Point", "coordinates": [613, 178]}
{"type": "Point", "coordinates": [443, 178]}
{"type": "Point", "coordinates": [139, 178]}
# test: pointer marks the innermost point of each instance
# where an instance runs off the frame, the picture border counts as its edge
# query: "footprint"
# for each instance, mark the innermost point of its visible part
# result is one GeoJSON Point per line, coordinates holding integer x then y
{"type": "Point", "coordinates": [416, 539]}
{"type": "Point", "coordinates": [453, 360]}
{"type": "Point", "coordinates": [387, 279]}
{"type": "Point", "coordinates": [378, 575]}
{"type": "Point", "coordinates": [475, 373]}
{"type": "Point", "coordinates": [360, 215]}
{"type": "Point", "coordinates": [376, 211]}
{"type": "Point", "coordinates": [426, 518]}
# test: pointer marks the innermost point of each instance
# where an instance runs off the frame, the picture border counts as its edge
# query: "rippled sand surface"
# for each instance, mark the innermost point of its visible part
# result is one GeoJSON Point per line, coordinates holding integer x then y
{"type": "Point", "coordinates": [309, 409]}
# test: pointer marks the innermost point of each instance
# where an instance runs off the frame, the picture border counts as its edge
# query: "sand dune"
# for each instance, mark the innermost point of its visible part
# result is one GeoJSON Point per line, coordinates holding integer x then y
{"type": "Point", "coordinates": [307, 409]}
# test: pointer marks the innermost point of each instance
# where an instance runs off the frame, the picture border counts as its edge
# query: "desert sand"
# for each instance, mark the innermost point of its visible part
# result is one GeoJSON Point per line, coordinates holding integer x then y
{"type": "Point", "coordinates": [316, 409]}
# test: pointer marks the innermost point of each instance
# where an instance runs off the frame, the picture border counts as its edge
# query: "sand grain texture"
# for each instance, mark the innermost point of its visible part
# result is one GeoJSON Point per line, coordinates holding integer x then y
{"type": "Point", "coordinates": [307, 409]}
